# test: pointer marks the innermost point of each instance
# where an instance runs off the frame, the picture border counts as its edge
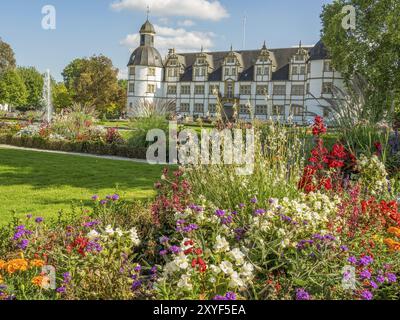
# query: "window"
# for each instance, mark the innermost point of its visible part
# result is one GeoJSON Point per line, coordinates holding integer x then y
{"type": "Point", "coordinates": [233, 72]}
{"type": "Point", "coordinates": [185, 107]}
{"type": "Point", "coordinates": [327, 88]}
{"type": "Point", "coordinates": [175, 73]}
{"type": "Point", "coordinates": [132, 71]}
{"type": "Point", "coordinates": [131, 87]}
{"type": "Point", "coordinates": [259, 71]}
{"type": "Point", "coordinates": [279, 90]}
{"type": "Point", "coordinates": [278, 110]}
{"type": "Point", "coordinates": [230, 60]}
{"type": "Point", "coordinates": [261, 109]}
{"type": "Point", "coordinates": [214, 89]}
{"type": "Point", "coordinates": [245, 89]}
{"type": "Point", "coordinates": [262, 90]}
{"type": "Point", "coordinates": [262, 71]}
{"type": "Point", "coordinates": [308, 88]}
{"type": "Point", "coordinates": [295, 70]}
{"type": "Point", "coordinates": [266, 71]}
{"type": "Point", "coordinates": [226, 71]}
{"type": "Point", "coordinates": [151, 88]}
{"type": "Point", "coordinates": [244, 109]}
{"type": "Point", "coordinates": [171, 90]}
{"type": "Point", "coordinates": [298, 90]}
{"type": "Point", "coordinates": [302, 70]}
{"type": "Point", "coordinates": [152, 72]}
{"type": "Point", "coordinates": [326, 113]}
{"type": "Point", "coordinates": [198, 108]}
{"type": "Point", "coordinates": [299, 57]}
{"type": "Point", "coordinates": [196, 72]}
{"type": "Point", "coordinates": [198, 89]}
{"type": "Point", "coordinates": [327, 66]}
{"type": "Point", "coordinates": [296, 110]}
{"type": "Point", "coordinates": [185, 89]}
{"type": "Point", "coordinates": [229, 90]}
{"type": "Point", "coordinates": [212, 108]}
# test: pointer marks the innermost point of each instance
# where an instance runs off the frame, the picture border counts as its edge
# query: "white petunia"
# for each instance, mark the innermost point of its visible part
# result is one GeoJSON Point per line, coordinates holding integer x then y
{"type": "Point", "coordinates": [215, 269]}
{"type": "Point", "coordinates": [221, 244]}
{"type": "Point", "coordinates": [238, 256]}
{"type": "Point", "coordinates": [109, 230]}
{"type": "Point", "coordinates": [93, 235]}
{"type": "Point", "coordinates": [133, 235]}
{"type": "Point", "coordinates": [182, 261]}
{"type": "Point", "coordinates": [119, 232]}
{"type": "Point", "coordinates": [236, 281]}
{"type": "Point", "coordinates": [184, 282]}
{"type": "Point", "coordinates": [226, 267]}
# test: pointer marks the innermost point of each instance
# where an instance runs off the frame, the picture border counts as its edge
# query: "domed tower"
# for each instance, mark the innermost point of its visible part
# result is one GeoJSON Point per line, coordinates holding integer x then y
{"type": "Point", "coordinates": [145, 71]}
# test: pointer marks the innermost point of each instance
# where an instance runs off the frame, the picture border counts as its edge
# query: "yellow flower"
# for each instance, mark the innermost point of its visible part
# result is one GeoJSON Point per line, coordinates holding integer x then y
{"type": "Point", "coordinates": [37, 263]}
{"type": "Point", "coordinates": [394, 231]}
{"type": "Point", "coordinates": [393, 245]}
{"type": "Point", "coordinates": [1, 279]}
{"type": "Point", "coordinates": [15, 265]}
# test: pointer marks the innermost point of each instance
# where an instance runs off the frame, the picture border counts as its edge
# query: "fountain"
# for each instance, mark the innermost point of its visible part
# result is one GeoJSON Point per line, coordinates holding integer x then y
{"type": "Point", "coordinates": [48, 107]}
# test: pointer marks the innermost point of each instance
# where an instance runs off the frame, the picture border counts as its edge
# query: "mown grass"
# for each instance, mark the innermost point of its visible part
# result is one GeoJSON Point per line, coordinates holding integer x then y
{"type": "Point", "coordinates": [45, 183]}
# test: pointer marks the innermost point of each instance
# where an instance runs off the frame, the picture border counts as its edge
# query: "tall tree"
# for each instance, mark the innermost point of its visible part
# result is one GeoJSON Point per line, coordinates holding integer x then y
{"type": "Point", "coordinates": [92, 81]}
{"type": "Point", "coordinates": [372, 50]}
{"type": "Point", "coordinates": [61, 96]}
{"type": "Point", "coordinates": [7, 57]}
{"type": "Point", "coordinates": [12, 89]}
{"type": "Point", "coordinates": [33, 81]}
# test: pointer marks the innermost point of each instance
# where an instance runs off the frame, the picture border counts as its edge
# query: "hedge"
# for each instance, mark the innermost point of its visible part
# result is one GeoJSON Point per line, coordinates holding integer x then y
{"type": "Point", "coordinates": [98, 148]}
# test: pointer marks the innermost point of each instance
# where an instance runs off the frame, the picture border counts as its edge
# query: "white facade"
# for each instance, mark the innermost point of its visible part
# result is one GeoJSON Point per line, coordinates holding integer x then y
{"type": "Point", "coordinates": [285, 83]}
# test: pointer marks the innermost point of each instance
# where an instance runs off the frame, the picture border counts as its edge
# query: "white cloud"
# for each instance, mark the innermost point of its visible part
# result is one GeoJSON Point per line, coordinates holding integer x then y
{"type": "Point", "coordinates": [123, 73]}
{"type": "Point", "coordinates": [180, 39]}
{"type": "Point", "coordinates": [164, 21]}
{"type": "Point", "coordinates": [200, 9]}
{"type": "Point", "coordinates": [186, 23]}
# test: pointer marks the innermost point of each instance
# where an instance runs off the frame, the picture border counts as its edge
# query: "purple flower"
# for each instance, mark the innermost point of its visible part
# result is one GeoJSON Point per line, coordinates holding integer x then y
{"type": "Point", "coordinates": [373, 284]}
{"type": "Point", "coordinates": [230, 296]}
{"type": "Point", "coordinates": [61, 290]}
{"type": "Point", "coordinates": [93, 246]}
{"type": "Point", "coordinates": [164, 239]}
{"type": "Point", "coordinates": [380, 279]}
{"type": "Point", "coordinates": [103, 202]}
{"type": "Point", "coordinates": [138, 268]}
{"type": "Point", "coordinates": [115, 197]}
{"type": "Point", "coordinates": [253, 200]}
{"type": "Point", "coordinates": [91, 224]}
{"type": "Point", "coordinates": [391, 277]}
{"type": "Point", "coordinates": [28, 216]}
{"type": "Point", "coordinates": [175, 249]}
{"type": "Point", "coordinates": [302, 294]}
{"type": "Point", "coordinates": [23, 244]}
{"type": "Point", "coordinates": [227, 220]}
{"type": "Point", "coordinates": [352, 260]}
{"type": "Point", "coordinates": [367, 295]}
{"type": "Point", "coordinates": [259, 212]}
{"type": "Point", "coordinates": [219, 298]}
{"type": "Point", "coordinates": [153, 270]}
{"type": "Point", "coordinates": [39, 220]}
{"type": "Point", "coordinates": [136, 285]}
{"type": "Point", "coordinates": [329, 237]}
{"type": "Point", "coordinates": [163, 252]}
{"type": "Point", "coordinates": [365, 274]}
{"type": "Point", "coordinates": [318, 237]}
{"type": "Point", "coordinates": [95, 197]}
{"type": "Point", "coordinates": [239, 233]}
{"type": "Point", "coordinates": [344, 248]}
{"type": "Point", "coordinates": [219, 213]}
{"type": "Point", "coordinates": [67, 277]}
{"type": "Point", "coordinates": [242, 205]}
{"type": "Point", "coordinates": [365, 261]}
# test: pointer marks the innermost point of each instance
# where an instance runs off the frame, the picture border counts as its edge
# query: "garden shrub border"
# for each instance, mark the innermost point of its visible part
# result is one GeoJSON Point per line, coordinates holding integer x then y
{"type": "Point", "coordinates": [90, 147]}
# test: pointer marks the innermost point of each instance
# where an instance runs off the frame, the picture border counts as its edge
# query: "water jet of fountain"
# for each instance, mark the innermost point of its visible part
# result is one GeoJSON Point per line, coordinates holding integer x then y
{"type": "Point", "coordinates": [48, 107]}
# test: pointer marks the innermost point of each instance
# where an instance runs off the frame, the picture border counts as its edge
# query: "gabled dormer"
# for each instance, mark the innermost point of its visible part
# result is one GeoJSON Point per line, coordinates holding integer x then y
{"type": "Point", "coordinates": [263, 66]}
{"type": "Point", "coordinates": [232, 66]}
{"type": "Point", "coordinates": [174, 66]}
{"type": "Point", "coordinates": [203, 66]}
{"type": "Point", "coordinates": [298, 64]}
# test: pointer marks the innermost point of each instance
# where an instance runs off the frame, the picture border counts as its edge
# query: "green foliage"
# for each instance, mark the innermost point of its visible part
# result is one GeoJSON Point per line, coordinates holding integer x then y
{"type": "Point", "coordinates": [33, 81]}
{"type": "Point", "coordinates": [141, 126]}
{"type": "Point", "coordinates": [353, 53]}
{"type": "Point", "coordinates": [7, 57]}
{"type": "Point", "coordinates": [62, 98]}
{"type": "Point", "coordinates": [93, 81]}
{"type": "Point", "coordinates": [12, 89]}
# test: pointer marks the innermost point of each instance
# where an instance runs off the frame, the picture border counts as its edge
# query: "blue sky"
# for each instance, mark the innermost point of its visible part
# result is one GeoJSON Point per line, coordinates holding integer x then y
{"type": "Point", "coordinates": [88, 27]}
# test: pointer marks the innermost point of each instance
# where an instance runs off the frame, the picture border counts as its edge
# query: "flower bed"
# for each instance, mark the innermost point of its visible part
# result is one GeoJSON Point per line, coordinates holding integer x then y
{"type": "Point", "coordinates": [329, 229]}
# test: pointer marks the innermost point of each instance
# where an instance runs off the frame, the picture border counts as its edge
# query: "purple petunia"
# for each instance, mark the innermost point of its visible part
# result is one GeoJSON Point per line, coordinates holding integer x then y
{"type": "Point", "coordinates": [391, 277]}
{"type": "Point", "coordinates": [253, 200]}
{"type": "Point", "coordinates": [95, 197]}
{"type": "Point", "coordinates": [164, 239]}
{"type": "Point", "coordinates": [220, 213]}
{"type": "Point", "coordinates": [352, 260]}
{"type": "Point", "coordinates": [367, 295]}
{"type": "Point", "coordinates": [380, 279]}
{"type": "Point", "coordinates": [138, 268]}
{"type": "Point", "coordinates": [115, 197]}
{"type": "Point", "coordinates": [302, 294]}
{"type": "Point", "coordinates": [365, 261]}
{"type": "Point", "coordinates": [259, 212]}
{"type": "Point", "coordinates": [136, 285]}
{"type": "Point", "coordinates": [39, 220]}
{"type": "Point", "coordinates": [344, 248]}
{"type": "Point", "coordinates": [163, 252]}
{"type": "Point", "coordinates": [373, 284]}
{"type": "Point", "coordinates": [175, 249]}
{"type": "Point", "coordinates": [23, 244]}
{"type": "Point", "coordinates": [365, 274]}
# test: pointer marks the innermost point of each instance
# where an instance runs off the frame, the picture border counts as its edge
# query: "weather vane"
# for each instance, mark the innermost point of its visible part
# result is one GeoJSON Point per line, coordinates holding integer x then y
{"type": "Point", "coordinates": [148, 12]}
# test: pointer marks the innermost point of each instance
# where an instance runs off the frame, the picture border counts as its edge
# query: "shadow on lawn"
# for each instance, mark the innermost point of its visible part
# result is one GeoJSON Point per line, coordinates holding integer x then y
{"type": "Point", "coordinates": [44, 170]}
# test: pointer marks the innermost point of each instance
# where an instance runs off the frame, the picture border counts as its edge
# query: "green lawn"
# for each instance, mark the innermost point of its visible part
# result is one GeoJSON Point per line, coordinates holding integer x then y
{"type": "Point", "coordinates": [43, 183]}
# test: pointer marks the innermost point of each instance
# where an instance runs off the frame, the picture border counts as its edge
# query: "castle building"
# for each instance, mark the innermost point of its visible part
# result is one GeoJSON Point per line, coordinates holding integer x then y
{"type": "Point", "coordinates": [270, 83]}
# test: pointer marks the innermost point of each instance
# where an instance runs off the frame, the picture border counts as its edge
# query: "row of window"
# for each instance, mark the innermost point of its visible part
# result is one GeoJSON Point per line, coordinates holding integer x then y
{"type": "Point", "coordinates": [279, 90]}
{"type": "Point", "coordinates": [277, 110]}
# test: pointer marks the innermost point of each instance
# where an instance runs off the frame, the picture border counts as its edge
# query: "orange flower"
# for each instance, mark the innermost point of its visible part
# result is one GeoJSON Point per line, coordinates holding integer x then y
{"type": "Point", "coordinates": [37, 263]}
{"type": "Point", "coordinates": [41, 281]}
{"type": "Point", "coordinates": [15, 265]}
{"type": "Point", "coordinates": [1, 279]}
{"type": "Point", "coordinates": [393, 245]}
{"type": "Point", "coordinates": [394, 231]}
{"type": "Point", "coordinates": [2, 264]}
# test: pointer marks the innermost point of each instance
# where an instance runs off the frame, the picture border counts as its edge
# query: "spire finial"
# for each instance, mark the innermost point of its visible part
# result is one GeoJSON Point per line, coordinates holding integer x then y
{"type": "Point", "coordinates": [202, 49]}
{"type": "Point", "coordinates": [148, 12]}
{"type": "Point", "coordinates": [300, 44]}
{"type": "Point", "coordinates": [231, 47]}
{"type": "Point", "coordinates": [265, 45]}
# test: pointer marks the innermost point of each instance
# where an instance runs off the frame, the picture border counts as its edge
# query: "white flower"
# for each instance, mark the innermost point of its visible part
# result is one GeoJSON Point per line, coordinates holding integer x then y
{"type": "Point", "coordinates": [236, 281]}
{"type": "Point", "coordinates": [221, 245]}
{"type": "Point", "coordinates": [134, 237]}
{"type": "Point", "coordinates": [226, 267]}
{"type": "Point", "coordinates": [247, 270]}
{"type": "Point", "coordinates": [109, 230]}
{"type": "Point", "coordinates": [238, 256]}
{"type": "Point", "coordinates": [215, 269]}
{"type": "Point", "coordinates": [170, 267]}
{"type": "Point", "coordinates": [182, 261]}
{"type": "Point", "coordinates": [93, 235]}
{"type": "Point", "coordinates": [184, 282]}
{"type": "Point", "coordinates": [119, 232]}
